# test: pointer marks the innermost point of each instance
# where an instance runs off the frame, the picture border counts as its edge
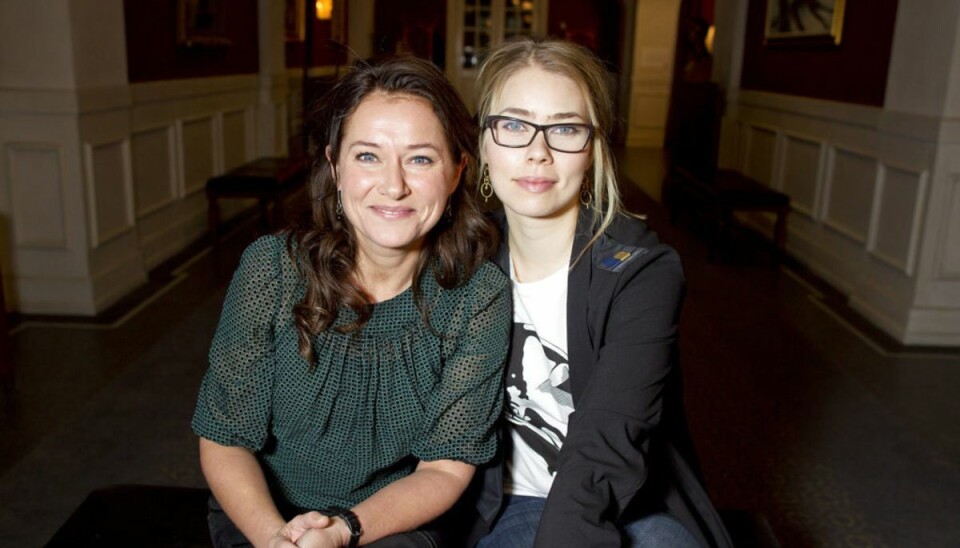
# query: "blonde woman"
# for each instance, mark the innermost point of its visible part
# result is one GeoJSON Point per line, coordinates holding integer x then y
{"type": "Point", "coordinates": [596, 447]}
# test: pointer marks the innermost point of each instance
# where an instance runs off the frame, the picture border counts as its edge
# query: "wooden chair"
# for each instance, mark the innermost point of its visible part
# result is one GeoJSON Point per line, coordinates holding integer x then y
{"type": "Point", "coordinates": [694, 183]}
{"type": "Point", "coordinates": [266, 179]}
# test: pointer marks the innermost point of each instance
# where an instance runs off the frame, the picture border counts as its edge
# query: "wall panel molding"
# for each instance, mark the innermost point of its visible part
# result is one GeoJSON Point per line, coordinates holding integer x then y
{"type": "Point", "coordinates": [948, 256]}
{"type": "Point", "coordinates": [155, 171]}
{"type": "Point", "coordinates": [34, 199]}
{"type": "Point", "coordinates": [109, 188]}
{"type": "Point", "coordinates": [848, 197]}
{"type": "Point", "coordinates": [898, 217]}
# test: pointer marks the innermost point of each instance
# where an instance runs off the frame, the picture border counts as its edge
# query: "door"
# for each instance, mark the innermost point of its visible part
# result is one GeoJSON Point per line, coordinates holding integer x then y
{"type": "Point", "coordinates": [474, 26]}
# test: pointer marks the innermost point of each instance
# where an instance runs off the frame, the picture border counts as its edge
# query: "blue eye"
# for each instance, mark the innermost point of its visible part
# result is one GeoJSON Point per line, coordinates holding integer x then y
{"type": "Point", "coordinates": [567, 131]}
{"type": "Point", "coordinates": [514, 126]}
{"type": "Point", "coordinates": [366, 157]}
{"type": "Point", "coordinates": [422, 160]}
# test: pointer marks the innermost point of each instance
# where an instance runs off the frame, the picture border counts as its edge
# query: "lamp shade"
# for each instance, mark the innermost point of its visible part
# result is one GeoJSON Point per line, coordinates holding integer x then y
{"type": "Point", "coordinates": [324, 9]}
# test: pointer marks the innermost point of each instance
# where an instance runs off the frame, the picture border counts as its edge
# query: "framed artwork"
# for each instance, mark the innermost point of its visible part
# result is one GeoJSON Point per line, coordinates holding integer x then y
{"type": "Point", "coordinates": [802, 22]}
{"type": "Point", "coordinates": [201, 23]}
{"type": "Point", "coordinates": [293, 23]}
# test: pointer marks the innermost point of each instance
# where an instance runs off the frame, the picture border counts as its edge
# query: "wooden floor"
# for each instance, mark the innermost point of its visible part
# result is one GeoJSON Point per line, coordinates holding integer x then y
{"type": "Point", "coordinates": [801, 411]}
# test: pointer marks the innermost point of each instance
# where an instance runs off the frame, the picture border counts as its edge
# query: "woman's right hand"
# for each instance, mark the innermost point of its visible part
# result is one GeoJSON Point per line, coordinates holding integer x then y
{"type": "Point", "coordinates": [294, 530]}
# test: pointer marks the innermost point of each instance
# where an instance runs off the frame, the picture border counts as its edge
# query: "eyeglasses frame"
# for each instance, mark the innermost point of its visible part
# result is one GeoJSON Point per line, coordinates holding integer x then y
{"type": "Point", "coordinates": [493, 118]}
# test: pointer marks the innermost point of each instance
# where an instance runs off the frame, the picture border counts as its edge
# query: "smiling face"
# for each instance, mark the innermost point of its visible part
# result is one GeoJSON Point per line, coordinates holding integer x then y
{"type": "Point", "coordinates": [395, 173]}
{"type": "Point", "coordinates": [536, 181]}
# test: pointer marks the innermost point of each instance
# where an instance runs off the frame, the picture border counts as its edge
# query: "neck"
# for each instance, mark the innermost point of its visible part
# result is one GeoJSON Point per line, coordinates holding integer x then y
{"type": "Point", "coordinates": [540, 247]}
{"type": "Point", "coordinates": [383, 277]}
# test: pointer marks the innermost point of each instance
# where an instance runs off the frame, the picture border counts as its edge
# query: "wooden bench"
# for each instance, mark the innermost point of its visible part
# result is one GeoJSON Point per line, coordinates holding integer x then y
{"type": "Point", "coordinates": [694, 183]}
{"type": "Point", "coordinates": [266, 179]}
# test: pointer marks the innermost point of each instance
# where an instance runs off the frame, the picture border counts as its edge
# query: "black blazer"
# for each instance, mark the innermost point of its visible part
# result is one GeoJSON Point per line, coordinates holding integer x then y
{"type": "Point", "coordinates": [628, 451]}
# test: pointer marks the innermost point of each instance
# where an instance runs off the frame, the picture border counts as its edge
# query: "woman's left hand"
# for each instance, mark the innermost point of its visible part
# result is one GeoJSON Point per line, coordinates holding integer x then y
{"type": "Point", "coordinates": [300, 527]}
{"type": "Point", "coordinates": [331, 536]}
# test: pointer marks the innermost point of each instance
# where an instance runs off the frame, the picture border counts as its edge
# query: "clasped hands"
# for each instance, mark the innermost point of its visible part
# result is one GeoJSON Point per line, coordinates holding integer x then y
{"type": "Point", "coordinates": [312, 530]}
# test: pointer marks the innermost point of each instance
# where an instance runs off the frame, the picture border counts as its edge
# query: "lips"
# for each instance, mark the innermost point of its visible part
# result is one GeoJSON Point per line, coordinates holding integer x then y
{"type": "Point", "coordinates": [392, 212]}
{"type": "Point", "coordinates": [536, 184]}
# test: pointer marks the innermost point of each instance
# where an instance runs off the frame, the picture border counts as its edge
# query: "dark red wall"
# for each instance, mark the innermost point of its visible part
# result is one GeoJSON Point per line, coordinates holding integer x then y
{"type": "Point", "coordinates": [153, 52]}
{"type": "Point", "coordinates": [853, 72]}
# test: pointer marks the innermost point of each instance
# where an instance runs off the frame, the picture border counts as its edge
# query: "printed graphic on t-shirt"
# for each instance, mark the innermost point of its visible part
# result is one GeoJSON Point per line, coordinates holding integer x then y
{"type": "Point", "coordinates": [538, 385]}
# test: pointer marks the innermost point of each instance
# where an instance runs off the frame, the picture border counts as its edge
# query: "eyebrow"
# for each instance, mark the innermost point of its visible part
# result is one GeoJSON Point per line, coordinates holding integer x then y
{"type": "Point", "coordinates": [370, 144]}
{"type": "Point", "coordinates": [529, 114]}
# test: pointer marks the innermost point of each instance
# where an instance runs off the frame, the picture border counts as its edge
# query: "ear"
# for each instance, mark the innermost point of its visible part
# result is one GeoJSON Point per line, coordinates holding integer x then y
{"type": "Point", "coordinates": [460, 168]}
{"type": "Point", "coordinates": [333, 169]}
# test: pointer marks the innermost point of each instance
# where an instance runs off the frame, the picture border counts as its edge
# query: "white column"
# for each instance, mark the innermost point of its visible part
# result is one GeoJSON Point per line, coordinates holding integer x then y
{"type": "Point", "coordinates": [66, 201]}
{"type": "Point", "coordinates": [360, 28]}
{"type": "Point", "coordinates": [655, 34]}
{"type": "Point", "coordinates": [923, 93]}
{"type": "Point", "coordinates": [272, 109]}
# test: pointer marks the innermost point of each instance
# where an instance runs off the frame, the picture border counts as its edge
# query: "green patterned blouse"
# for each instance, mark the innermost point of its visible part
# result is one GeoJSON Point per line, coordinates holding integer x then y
{"type": "Point", "coordinates": [375, 403]}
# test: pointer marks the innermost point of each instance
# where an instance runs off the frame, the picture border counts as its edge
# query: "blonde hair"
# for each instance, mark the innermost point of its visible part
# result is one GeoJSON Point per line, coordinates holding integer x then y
{"type": "Point", "coordinates": [587, 71]}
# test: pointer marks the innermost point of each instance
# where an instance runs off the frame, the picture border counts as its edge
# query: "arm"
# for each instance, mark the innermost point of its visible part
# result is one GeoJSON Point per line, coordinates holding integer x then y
{"type": "Point", "coordinates": [604, 460]}
{"type": "Point", "coordinates": [401, 506]}
{"type": "Point", "coordinates": [234, 406]}
{"type": "Point", "coordinates": [237, 482]}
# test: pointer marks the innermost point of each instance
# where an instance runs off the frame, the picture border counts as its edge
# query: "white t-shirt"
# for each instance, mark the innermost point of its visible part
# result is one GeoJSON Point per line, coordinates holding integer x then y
{"type": "Point", "coordinates": [538, 384]}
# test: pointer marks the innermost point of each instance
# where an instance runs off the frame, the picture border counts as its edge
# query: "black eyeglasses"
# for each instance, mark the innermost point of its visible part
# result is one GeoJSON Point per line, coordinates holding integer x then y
{"type": "Point", "coordinates": [512, 133]}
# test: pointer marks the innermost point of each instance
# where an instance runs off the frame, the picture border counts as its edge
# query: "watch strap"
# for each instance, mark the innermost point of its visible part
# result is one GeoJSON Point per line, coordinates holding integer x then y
{"type": "Point", "coordinates": [353, 523]}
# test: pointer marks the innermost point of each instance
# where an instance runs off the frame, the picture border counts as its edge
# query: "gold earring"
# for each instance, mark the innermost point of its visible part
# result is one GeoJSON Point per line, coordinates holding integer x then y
{"type": "Point", "coordinates": [586, 197]}
{"type": "Point", "coordinates": [486, 189]}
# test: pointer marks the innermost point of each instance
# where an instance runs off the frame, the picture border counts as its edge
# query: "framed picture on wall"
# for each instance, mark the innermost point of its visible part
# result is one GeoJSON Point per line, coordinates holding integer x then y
{"type": "Point", "coordinates": [201, 23]}
{"type": "Point", "coordinates": [801, 22]}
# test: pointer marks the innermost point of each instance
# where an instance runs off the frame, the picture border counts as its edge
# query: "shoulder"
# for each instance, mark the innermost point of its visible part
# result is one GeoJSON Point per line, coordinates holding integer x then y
{"type": "Point", "coordinates": [267, 256]}
{"type": "Point", "coordinates": [629, 245]}
{"type": "Point", "coordinates": [269, 246]}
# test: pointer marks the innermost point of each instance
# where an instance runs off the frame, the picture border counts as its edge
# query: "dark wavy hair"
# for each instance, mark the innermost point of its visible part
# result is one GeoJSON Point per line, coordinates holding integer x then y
{"type": "Point", "coordinates": [324, 246]}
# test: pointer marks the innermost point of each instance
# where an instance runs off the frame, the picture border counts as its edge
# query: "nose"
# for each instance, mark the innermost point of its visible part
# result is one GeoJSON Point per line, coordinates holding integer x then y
{"type": "Point", "coordinates": [394, 184]}
{"type": "Point", "coordinates": [537, 151]}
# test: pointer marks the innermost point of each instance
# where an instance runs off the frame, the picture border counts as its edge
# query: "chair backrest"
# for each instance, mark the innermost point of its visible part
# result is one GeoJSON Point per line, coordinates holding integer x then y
{"type": "Point", "coordinates": [697, 109]}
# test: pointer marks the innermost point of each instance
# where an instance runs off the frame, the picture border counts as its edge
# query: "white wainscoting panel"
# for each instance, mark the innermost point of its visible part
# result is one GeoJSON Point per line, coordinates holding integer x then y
{"type": "Point", "coordinates": [109, 194]}
{"type": "Point", "coordinates": [36, 195]}
{"type": "Point", "coordinates": [197, 149]}
{"type": "Point", "coordinates": [848, 200]}
{"type": "Point", "coordinates": [901, 195]}
{"type": "Point", "coordinates": [237, 138]}
{"type": "Point", "coordinates": [800, 175]}
{"type": "Point", "coordinates": [950, 248]}
{"type": "Point", "coordinates": [760, 153]}
{"type": "Point", "coordinates": [154, 169]}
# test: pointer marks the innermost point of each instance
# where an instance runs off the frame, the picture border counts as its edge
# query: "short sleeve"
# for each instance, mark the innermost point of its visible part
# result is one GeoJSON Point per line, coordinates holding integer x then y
{"type": "Point", "coordinates": [463, 413]}
{"type": "Point", "coordinates": [233, 407]}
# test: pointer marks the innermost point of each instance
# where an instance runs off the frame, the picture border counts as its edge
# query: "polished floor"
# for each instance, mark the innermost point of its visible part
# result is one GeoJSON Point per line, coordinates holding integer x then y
{"type": "Point", "coordinates": [802, 413]}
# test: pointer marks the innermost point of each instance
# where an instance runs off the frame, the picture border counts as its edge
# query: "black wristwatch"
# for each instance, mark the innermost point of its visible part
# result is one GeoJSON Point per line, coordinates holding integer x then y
{"type": "Point", "coordinates": [353, 523]}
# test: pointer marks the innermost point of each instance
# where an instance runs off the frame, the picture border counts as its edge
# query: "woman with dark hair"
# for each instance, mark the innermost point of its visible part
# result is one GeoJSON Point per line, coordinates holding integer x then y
{"type": "Point", "coordinates": [355, 376]}
{"type": "Point", "coordinates": [596, 450]}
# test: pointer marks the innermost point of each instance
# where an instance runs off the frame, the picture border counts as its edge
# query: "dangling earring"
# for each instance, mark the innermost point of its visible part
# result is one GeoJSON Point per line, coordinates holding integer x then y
{"type": "Point", "coordinates": [586, 197]}
{"type": "Point", "coordinates": [486, 189]}
{"type": "Point", "coordinates": [339, 206]}
{"type": "Point", "coordinates": [448, 213]}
